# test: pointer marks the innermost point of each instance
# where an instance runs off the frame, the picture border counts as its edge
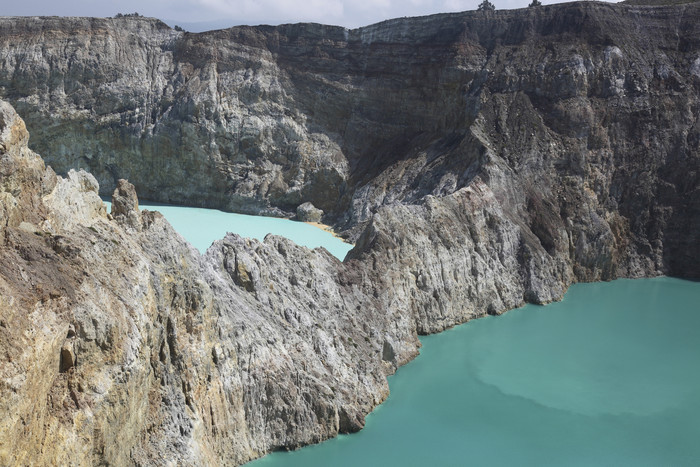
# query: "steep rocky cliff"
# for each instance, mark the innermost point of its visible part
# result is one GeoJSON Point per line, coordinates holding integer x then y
{"type": "Point", "coordinates": [479, 160]}
{"type": "Point", "coordinates": [121, 344]}
{"type": "Point", "coordinates": [262, 119]}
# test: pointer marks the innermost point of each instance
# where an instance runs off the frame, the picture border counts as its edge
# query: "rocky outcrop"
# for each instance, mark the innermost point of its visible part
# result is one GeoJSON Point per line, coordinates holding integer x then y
{"type": "Point", "coordinates": [481, 161]}
{"type": "Point", "coordinates": [307, 212]}
{"type": "Point", "coordinates": [125, 205]}
{"type": "Point", "coordinates": [122, 345]}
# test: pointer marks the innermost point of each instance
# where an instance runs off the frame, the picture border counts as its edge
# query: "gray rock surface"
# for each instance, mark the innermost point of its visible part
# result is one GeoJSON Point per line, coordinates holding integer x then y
{"type": "Point", "coordinates": [125, 205]}
{"type": "Point", "coordinates": [262, 119]}
{"type": "Point", "coordinates": [123, 345]}
{"type": "Point", "coordinates": [480, 161]}
{"type": "Point", "coordinates": [307, 212]}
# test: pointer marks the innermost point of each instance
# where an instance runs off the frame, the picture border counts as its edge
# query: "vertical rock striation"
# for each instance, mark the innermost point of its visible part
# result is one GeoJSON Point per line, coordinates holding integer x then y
{"type": "Point", "coordinates": [480, 161]}
{"type": "Point", "coordinates": [121, 344]}
{"type": "Point", "coordinates": [263, 119]}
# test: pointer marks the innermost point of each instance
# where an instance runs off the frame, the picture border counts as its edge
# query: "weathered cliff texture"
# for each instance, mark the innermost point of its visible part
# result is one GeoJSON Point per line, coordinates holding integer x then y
{"type": "Point", "coordinates": [262, 119]}
{"type": "Point", "coordinates": [122, 345]}
{"type": "Point", "coordinates": [480, 160]}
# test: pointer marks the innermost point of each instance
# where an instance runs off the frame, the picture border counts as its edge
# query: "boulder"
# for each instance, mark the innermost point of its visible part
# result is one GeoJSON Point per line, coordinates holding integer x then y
{"type": "Point", "coordinates": [307, 212]}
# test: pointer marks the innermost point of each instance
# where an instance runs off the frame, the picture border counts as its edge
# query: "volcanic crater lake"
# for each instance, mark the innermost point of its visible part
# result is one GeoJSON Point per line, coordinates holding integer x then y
{"type": "Point", "coordinates": [201, 227]}
{"type": "Point", "coordinates": [608, 376]}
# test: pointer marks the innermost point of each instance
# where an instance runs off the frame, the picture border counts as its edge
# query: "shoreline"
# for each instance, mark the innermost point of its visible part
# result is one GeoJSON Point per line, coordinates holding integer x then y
{"type": "Point", "coordinates": [329, 229]}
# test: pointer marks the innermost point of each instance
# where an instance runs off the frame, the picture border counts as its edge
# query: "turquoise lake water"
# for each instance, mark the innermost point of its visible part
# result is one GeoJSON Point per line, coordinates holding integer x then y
{"type": "Point", "coordinates": [201, 227]}
{"type": "Point", "coordinates": [610, 376]}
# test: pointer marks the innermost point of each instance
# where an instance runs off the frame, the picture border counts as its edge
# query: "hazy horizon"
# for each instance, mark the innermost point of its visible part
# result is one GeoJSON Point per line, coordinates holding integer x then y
{"type": "Point", "coordinates": [196, 15]}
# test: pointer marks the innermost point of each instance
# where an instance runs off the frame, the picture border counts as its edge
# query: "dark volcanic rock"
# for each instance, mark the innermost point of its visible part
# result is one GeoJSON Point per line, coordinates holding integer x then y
{"type": "Point", "coordinates": [262, 119]}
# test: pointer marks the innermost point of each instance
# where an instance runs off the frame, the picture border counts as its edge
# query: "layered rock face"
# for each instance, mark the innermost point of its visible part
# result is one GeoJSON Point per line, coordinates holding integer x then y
{"type": "Point", "coordinates": [262, 119]}
{"type": "Point", "coordinates": [480, 161]}
{"type": "Point", "coordinates": [122, 345]}
{"type": "Point", "coordinates": [585, 132]}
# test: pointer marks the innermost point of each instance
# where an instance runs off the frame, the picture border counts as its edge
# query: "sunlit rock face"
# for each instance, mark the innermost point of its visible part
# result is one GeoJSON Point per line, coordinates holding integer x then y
{"type": "Point", "coordinates": [122, 344]}
{"type": "Point", "coordinates": [479, 160]}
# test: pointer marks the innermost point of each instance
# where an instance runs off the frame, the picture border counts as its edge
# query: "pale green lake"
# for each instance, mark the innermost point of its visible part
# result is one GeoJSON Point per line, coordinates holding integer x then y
{"type": "Point", "coordinates": [610, 376]}
{"type": "Point", "coordinates": [201, 227]}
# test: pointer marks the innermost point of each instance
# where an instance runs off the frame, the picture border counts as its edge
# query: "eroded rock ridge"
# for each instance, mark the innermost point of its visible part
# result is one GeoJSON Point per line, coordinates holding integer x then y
{"type": "Point", "coordinates": [121, 344]}
{"type": "Point", "coordinates": [480, 161]}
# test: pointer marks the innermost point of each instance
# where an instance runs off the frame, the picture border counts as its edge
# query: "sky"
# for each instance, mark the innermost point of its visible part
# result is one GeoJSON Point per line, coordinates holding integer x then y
{"type": "Point", "coordinates": [348, 13]}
